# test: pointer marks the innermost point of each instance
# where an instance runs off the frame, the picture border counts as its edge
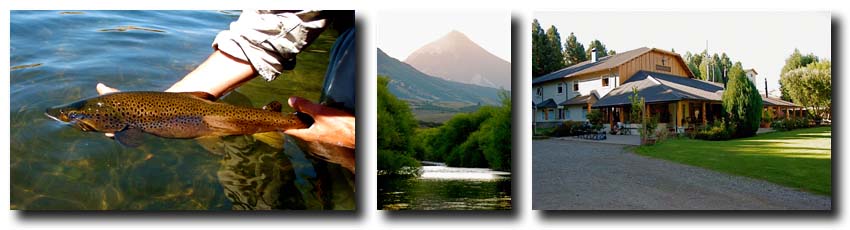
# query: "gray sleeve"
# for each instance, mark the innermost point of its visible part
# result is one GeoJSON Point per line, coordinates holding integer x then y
{"type": "Point", "coordinates": [267, 39]}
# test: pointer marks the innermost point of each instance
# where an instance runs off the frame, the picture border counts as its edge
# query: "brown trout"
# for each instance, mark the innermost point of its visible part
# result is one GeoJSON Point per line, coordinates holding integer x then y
{"type": "Point", "coordinates": [172, 115]}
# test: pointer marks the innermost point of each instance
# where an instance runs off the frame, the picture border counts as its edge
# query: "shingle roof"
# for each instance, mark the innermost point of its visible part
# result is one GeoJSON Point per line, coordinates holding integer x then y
{"type": "Point", "coordinates": [579, 100]}
{"type": "Point", "coordinates": [776, 102]}
{"type": "Point", "coordinates": [607, 62]}
{"type": "Point", "coordinates": [659, 87]}
{"type": "Point", "coordinates": [548, 103]}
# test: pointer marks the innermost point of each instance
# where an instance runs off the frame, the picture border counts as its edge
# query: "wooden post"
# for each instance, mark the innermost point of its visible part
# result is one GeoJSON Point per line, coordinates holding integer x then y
{"type": "Point", "coordinates": [678, 114]}
{"type": "Point", "coordinates": [704, 121]}
{"type": "Point", "coordinates": [622, 114]}
{"type": "Point", "coordinates": [588, 107]}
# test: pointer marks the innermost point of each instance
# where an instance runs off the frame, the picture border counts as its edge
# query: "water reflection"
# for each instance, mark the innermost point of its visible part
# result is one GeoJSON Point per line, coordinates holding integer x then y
{"type": "Point", "coordinates": [446, 188]}
{"type": "Point", "coordinates": [131, 28]}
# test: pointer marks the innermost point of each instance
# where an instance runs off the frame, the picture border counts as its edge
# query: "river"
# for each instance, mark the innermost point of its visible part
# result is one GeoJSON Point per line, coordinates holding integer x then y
{"type": "Point", "coordinates": [446, 188]}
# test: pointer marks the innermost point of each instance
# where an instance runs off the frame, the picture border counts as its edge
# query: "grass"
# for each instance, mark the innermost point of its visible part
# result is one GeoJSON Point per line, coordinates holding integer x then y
{"type": "Point", "coordinates": [799, 158]}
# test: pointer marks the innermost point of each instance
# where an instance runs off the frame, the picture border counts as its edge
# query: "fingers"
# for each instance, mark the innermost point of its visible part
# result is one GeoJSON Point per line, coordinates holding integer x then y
{"type": "Point", "coordinates": [103, 89]}
{"type": "Point", "coordinates": [305, 106]}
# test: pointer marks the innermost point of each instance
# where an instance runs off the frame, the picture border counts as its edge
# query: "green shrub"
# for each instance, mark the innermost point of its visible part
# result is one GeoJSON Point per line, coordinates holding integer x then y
{"type": "Point", "coordinates": [715, 132]}
{"type": "Point", "coordinates": [568, 128]}
{"type": "Point", "coordinates": [790, 124]}
{"type": "Point", "coordinates": [395, 132]}
{"type": "Point", "coordinates": [478, 139]}
{"type": "Point", "coordinates": [396, 163]}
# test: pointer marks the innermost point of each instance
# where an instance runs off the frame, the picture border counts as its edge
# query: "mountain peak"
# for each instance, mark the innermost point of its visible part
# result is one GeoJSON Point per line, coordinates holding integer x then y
{"type": "Point", "coordinates": [455, 57]}
{"type": "Point", "coordinates": [456, 35]}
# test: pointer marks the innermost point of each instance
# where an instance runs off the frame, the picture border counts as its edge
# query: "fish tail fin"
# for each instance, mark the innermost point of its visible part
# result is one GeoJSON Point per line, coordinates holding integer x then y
{"type": "Point", "coordinates": [273, 139]}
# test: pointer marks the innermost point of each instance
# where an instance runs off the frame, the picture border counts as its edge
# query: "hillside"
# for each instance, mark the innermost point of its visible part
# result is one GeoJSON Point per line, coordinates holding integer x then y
{"type": "Point", "coordinates": [408, 83]}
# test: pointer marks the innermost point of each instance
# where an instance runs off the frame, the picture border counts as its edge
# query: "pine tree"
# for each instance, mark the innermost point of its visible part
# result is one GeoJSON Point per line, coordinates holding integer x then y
{"type": "Point", "coordinates": [555, 59]}
{"type": "Point", "coordinates": [573, 51]}
{"type": "Point", "coordinates": [600, 49]}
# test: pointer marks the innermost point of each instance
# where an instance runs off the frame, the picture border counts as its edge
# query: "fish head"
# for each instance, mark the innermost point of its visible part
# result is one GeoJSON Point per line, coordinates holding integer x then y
{"type": "Point", "coordinates": [86, 115]}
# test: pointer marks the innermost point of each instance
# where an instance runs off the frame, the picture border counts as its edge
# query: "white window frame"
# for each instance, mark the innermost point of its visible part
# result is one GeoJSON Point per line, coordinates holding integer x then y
{"type": "Point", "coordinates": [539, 91]}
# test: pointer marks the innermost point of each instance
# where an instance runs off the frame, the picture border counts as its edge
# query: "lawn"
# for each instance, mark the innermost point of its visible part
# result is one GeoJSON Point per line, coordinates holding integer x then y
{"type": "Point", "coordinates": [799, 158]}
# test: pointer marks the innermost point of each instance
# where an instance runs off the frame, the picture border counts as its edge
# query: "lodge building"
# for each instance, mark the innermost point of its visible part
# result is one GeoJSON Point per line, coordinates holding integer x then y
{"type": "Point", "coordinates": [671, 91]}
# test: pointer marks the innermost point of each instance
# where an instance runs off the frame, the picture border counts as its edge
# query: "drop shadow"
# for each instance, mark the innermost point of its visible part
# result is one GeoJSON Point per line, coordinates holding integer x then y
{"type": "Point", "coordinates": [133, 217]}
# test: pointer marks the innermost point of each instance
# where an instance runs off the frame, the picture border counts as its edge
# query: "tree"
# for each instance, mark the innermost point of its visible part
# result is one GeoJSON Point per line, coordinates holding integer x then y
{"type": "Point", "coordinates": [742, 103]}
{"type": "Point", "coordinates": [794, 61]}
{"type": "Point", "coordinates": [497, 141]}
{"type": "Point", "coordinates": [811, 87]}
{"type": "Point", "coordinates": [704, 67]}
{"type": "Point", "coordinates": [694, 62]}
{"type": "Point", "coordinates": [555, 59]}
{"type": "Point", "coordinates": [636, 113]}
{"type": "Point", "coordinates": [546, 51]}
{"type": "Point", "coordinates": [573, 51]}
{"type": "Point", "coordinates": [600, 49]}
{"type": "Point", "coordinates": [538, 45]}
{"type": "Point", "coordinates": [395, 133]}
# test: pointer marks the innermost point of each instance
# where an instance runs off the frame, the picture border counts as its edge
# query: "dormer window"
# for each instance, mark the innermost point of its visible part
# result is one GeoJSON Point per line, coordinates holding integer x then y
{"type": "Point", "coordinates": [604, 82]}
{"type": "Point", "coordinates": [539, 92]}
{"type": "Point", "coordinates": [560, 88]}
{"type": "Point", "coordinates": [575, 86]}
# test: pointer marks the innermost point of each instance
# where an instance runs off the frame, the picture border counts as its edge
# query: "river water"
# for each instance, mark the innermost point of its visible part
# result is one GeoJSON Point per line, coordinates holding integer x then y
{"type": "Point", "coordinates": [447, 188]}
{"type": "Point", "coordinates": [58, 56]}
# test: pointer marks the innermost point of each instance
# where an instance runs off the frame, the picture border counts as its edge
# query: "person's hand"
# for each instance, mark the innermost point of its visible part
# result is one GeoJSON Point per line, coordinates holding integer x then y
{"type": "Point", "coordinates": [332, 134]}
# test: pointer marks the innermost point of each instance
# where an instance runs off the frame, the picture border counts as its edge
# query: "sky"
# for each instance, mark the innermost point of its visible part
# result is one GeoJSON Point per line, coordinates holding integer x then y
{"type": "Point", "coordinates": [401, 32]}
{"type": "Point", "coordinates": [760, 40]}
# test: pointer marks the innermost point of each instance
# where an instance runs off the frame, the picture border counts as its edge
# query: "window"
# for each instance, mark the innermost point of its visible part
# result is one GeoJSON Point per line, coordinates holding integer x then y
{"type": "Point", "coordinates": [560, 88]}
{"type": "Point", "coordinates": [575, 86]}
{"type": "Point", "coordinates": [560, 114]}
{"type": "Point", "coordinates": [539, 92]}
{"type": "Point", "coordinates": [604, 82]}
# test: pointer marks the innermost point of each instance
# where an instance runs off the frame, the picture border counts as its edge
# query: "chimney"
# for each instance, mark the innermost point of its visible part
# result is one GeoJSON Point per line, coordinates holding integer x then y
{"type": "Point", "coordinates": [593, 55]}
{"type": "Point", "coordinates": [765, 88]}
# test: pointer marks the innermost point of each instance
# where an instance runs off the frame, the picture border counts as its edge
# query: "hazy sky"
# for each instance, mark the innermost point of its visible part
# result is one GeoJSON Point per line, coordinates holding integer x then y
{"type": "Point", "coordinates": [760, 40]}
{"type": "Point", "coordinates": [402, 32]}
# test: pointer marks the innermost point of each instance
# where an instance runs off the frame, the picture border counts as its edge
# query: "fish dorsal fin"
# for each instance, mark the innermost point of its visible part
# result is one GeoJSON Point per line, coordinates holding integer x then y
{"type": "Point", "coordinates": [130, 136]}
{"type": "Point", "coordinates": [202, 95]}
{"type": "Point", "coordinates": [273, 106]}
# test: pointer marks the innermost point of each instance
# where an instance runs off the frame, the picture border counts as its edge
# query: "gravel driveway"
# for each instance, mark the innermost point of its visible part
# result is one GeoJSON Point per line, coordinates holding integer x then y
{"type": "Point", "coordinates": [572, 175]}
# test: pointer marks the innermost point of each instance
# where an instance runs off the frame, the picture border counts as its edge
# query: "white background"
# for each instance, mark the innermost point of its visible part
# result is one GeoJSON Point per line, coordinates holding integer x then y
{"type": "Point", "coordinates": [367, 217]}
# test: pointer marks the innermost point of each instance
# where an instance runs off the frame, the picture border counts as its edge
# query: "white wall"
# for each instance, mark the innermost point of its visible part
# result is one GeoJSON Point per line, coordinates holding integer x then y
{"type": "Point", "coordinates": [585, 87]}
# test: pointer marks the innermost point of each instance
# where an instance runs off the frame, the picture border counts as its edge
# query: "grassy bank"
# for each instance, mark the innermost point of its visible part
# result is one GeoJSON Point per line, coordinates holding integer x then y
{"type": "Point", "coordinates": [799, 158]}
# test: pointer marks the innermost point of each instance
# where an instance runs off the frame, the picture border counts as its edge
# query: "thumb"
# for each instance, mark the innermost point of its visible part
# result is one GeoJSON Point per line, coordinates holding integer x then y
{"type": "Point", "coordinates": [305, 106]}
